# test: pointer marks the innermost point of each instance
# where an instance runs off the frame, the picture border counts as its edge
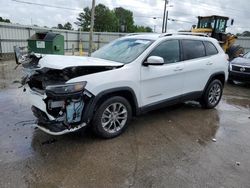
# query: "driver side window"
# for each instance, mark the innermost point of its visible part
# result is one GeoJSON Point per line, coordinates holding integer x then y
{"type": "Point", "coordinates": [168, 50]}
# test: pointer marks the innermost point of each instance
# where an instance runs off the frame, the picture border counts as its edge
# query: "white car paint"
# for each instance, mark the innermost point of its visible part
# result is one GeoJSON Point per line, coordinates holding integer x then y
{"type": "Point", "coordinates": [150, 84]}
{"type": "Point", "coordinates": [161, 82]}
{"type": "Point", "coordinates": [60, 62]}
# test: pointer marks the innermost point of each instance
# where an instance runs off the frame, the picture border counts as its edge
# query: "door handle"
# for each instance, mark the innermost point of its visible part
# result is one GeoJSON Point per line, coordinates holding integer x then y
{"type": "Point", "coordinates": [178, 69]}
{"type": "Point", "coordinates": [209, 63]}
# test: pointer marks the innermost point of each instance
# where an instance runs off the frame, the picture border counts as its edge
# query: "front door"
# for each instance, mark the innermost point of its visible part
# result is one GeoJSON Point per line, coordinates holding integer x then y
{"type": "Point", "coordinates": [162, 82]}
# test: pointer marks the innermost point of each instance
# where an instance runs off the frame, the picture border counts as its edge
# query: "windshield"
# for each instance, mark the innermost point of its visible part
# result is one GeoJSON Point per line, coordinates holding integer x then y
{"type": "Point", "coordinates": [206, 23]}
{"type": "Point", "coordinates": [247, 55]}
{"type": "Point", "coordinates": [123, 50]}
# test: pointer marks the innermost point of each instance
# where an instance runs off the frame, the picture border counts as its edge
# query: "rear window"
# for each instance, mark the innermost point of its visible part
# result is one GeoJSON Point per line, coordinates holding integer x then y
{"type": "Point", "coordinates": [210, 48]}
{"type": "Point", "coordinates": [193, 49]}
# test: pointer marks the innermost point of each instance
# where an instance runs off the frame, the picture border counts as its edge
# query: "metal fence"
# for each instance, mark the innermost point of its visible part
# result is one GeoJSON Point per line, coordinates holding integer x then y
{"type": "Point", "coordinates": [17, 35]}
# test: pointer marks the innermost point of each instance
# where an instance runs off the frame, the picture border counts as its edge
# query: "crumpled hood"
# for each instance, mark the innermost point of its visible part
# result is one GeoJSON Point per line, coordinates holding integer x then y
{"type": "Point", "coordinates": [241, 61]}
{"type": "Point", "coordinates": [60, 62]}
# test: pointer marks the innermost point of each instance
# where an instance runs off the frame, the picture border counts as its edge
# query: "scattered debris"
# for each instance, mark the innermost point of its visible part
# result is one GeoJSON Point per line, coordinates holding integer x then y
{"type": "Point", "coordinates": [50, 141]}
{"type": "Point", "coordinates": [26, 122]}
{"type": "Point", "coordinates": [237, 163]}
{"type": "Point", "coordinates": [214, 139]}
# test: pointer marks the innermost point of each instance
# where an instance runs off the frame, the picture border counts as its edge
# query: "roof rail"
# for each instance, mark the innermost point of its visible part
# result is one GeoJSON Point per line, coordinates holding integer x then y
{"type": "Point", "coordinates": [140, 33]}
{"type": "Point", "coordinates": [132, 34]}
{"type": "Point", "coordinates": [185, 33]}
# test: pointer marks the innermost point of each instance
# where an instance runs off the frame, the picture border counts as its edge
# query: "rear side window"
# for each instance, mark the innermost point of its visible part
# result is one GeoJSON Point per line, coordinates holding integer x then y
{"type": "Point", "coordinates": [193, 49]}
{"type": "Point", "coordinates": [168, 50]}
{"type": "Point", "coordinates": [210, 48]}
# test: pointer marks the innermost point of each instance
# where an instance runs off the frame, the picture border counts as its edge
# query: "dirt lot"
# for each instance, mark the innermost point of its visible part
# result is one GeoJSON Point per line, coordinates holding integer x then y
{"type": "Point", "coordinates": [180, 146]}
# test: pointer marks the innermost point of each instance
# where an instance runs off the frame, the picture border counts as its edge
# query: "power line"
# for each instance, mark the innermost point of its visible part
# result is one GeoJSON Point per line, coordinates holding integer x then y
{"type": "Point", "coordinates": [47, 5]}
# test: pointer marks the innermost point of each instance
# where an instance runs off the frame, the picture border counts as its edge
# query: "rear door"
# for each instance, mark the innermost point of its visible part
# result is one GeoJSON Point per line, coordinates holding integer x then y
{"type": "Point", "coordinates": [197, 65]}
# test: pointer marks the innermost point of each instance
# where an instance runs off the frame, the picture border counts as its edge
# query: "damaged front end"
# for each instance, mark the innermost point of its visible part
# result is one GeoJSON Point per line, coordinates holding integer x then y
{"type": "Point", "coordinates": [64, 108]}
{"type": "Point", "coordinates": [59, 106]}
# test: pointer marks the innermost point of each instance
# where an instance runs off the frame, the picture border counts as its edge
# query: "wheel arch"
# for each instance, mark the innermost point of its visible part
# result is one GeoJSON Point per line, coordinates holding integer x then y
{"type": "Point", "coordinates": [125, 92]}
{"type": "Point", "coordinates": [218, 75]}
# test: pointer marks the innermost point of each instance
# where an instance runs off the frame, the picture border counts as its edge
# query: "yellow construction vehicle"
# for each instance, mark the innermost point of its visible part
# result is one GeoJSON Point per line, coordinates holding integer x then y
{"type": "Point", "coordinates": [215, 26]}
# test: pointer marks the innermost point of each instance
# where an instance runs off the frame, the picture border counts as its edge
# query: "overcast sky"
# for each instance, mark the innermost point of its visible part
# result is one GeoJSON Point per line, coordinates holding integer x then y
{"type": "Point", "coordinates": [186, 11]}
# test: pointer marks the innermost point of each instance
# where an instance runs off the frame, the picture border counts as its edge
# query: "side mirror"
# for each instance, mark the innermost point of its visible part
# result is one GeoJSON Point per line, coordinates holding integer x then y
{"type": "Point", "coordinates": [154, 60]}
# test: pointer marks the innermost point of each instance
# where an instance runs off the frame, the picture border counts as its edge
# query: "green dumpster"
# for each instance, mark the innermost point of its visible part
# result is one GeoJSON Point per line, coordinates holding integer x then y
{"type": "Point", "coordinates": [46, 43]}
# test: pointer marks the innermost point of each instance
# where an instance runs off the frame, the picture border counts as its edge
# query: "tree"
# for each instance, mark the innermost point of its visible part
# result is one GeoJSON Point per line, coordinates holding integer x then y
{"type": "Point", "coordinates": [67, 26]}
{"type": "Point", "coordinates": [105, 19]}
{"type": "Point", "coordinates": [142, 29]}
{"type": "Point", "coordinates": [60, 26]}
{"type": "Point", "coordinates": [83, 19]}
{"type": "Point", "coordinates": [4, 20]}
{"type": "Point", "coordinates": [119, 19]}
{"type": "Point", "coordinates": [125, 19]}
{"type": "Point", "coordinates": [149, 29]}
{"type": "Point", "coordinates": [246, 34]}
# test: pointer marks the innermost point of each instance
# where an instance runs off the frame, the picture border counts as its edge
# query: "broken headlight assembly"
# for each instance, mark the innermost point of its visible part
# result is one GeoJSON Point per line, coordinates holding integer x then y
{"type": "Point", "coordinates": [67, 88]}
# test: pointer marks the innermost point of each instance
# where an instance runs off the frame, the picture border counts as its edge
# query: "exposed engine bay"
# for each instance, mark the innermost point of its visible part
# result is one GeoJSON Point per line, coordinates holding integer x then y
{"type": "Point", "coordinates": [41, 78]}
{"type": "Point", "coordinates": [58, 106]}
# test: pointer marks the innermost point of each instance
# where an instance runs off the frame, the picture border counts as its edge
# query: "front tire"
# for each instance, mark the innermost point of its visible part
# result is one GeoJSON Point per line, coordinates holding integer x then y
{"type": "Point", "coordinates": [112, 117]}
{"type": "Point", "coordinates": [212, 95]}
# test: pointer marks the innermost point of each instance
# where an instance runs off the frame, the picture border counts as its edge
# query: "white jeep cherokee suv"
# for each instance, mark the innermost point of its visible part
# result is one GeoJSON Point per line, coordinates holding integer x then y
{"type": "Point", "coordinates": [127, 77]}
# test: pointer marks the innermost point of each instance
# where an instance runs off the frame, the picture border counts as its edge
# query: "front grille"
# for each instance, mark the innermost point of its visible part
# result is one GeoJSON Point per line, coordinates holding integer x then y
{"type": "Point", "coordinates": [238, 69]}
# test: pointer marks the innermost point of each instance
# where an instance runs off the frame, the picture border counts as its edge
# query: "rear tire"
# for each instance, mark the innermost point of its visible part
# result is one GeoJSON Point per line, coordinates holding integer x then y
{"type": "Point", "coordinates": [212, 94]}
{"type": "Point", "coordinates": [112, 117]}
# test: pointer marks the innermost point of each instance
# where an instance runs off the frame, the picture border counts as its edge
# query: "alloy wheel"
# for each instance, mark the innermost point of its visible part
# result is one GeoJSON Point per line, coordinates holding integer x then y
{"type": "Point", "coordinates": [214, 94]}
{"type": "Point", "coordinates": [114, 117]}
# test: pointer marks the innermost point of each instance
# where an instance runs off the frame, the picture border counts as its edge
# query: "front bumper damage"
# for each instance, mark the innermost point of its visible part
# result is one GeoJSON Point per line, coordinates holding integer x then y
{"type": "Point", "coordinates": [59, 105]}
{"type": "Point", "coordinates": [60, 114]}
{"type": "Point", "coordinates": [56, 114]}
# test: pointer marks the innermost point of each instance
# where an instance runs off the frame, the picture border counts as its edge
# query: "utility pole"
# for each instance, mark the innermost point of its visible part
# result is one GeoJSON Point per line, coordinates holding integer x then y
{"type": "Point", "coordinates": [166, 22]}
{"type": "Point", "coordinates": [164, 15]}
{"type": "Point", "coordinates": [91, 27]}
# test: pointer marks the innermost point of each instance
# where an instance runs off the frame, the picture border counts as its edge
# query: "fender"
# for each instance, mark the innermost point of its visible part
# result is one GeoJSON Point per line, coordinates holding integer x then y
{"type": "Point", "coordinates": [220, 73]}
{"type": "Point", "coordinates": [96, 100]}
